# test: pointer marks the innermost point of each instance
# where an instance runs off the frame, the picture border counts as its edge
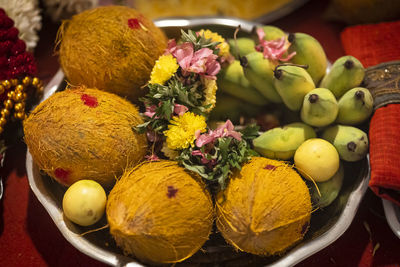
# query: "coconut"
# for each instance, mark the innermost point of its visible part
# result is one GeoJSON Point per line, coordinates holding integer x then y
{"type": "Point", "coordinates": [160, 213]}
{"type": "Point", "coordinates": [265, 208]}
{"type": "Point", "coordinates": [112, 48]}
{"type": "Point", "coordinates": [84, 134]}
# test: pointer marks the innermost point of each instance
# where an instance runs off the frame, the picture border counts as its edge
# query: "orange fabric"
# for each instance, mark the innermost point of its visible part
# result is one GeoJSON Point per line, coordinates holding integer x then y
{"type": "Point", "coordinates": [373, 43]}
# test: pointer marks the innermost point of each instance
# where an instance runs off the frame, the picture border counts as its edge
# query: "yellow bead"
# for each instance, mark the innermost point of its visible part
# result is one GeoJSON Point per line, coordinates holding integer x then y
{"type": "Point", "coordinates": [2, 89]}
{"type": "Point", "coordinates": [19, 115]}
{"type": "Point", "coordinates": [19, 88]}
{"type": "Point", "coordinates": [14, 82]}
{"type": "Point", "coordinates": [17, 96]}
{"type": "Point", "coordinates": [35, 81]}
{"type": "Point", "coordinates": [5, 113]}
{"type": "Point", "coordinates": [40, 89]}
{"type": "Point", "coordinates": [19, 107]}
{"type": "Point", "coordinates": [8, 104]}
{"type": "Point", "coordinates": [6, 84]}
{"type": "Point", "coordinates": [26, 81]}
{"type": "Point", "coordinates": [40, 84]}
{"type": "Point", "coordinates": [3, 121]}
{"type": "Point", "coordinates": [11, 94]}
{"type": "Point", "coordinates": [1, 129]}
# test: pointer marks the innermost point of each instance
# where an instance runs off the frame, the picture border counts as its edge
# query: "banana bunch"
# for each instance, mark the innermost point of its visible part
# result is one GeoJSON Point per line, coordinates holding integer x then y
{"type": "Point", "coordinates": [331, 105]}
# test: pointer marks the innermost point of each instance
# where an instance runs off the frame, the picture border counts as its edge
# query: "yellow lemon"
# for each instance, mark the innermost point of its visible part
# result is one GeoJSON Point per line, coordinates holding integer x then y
{"type": "Point", "coordinates": [84, 202]}
{"type": "Point", "coordinates": [317, 159]}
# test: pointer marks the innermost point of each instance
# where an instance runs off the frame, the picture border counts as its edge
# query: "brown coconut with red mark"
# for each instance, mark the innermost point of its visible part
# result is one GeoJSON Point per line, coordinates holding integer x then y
{"type": "Point", "coordinates": [160, 213]}
{"type": "Point", "coordinates": [112, 48]}
{"type": "Point", "coordinates": [265, 209]}
{"type": "Point", "coordinates": [85, 133]}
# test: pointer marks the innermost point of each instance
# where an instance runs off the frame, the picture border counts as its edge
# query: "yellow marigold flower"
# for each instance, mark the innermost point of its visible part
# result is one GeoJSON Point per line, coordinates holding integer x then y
{"type": "Point", "coordinates": [210, 92]}
{"type": "Point", "coordinates": [215, 37]}
{"type": "Point", "coordinates": [165, 67]}
{"type": "Point", "coordinates": [182, 130]}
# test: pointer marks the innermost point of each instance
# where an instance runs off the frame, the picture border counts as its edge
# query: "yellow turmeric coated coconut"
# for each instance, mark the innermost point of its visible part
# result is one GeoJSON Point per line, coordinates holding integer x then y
{"type": "Point", "coordinates": [84, 134]}
{"type": "Point", "coordinates": [159, 213]}
{"type": "Point", "coordinates": [112, 48]}
{"type": "Point", "coordinates": [265, 209]}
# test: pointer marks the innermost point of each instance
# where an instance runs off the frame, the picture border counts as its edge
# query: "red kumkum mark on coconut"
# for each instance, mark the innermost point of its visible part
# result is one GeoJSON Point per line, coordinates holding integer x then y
{"type": "Point", "coordinates": [171, 191]}
{"type": "Point", "coordinates": [270, 167]}
{"type": "Point", "coordinates": [89, 100]}
{"type": "Point", "coordinates": [62, 174]}
{"type": "Point", "coordinates": [133, 23]}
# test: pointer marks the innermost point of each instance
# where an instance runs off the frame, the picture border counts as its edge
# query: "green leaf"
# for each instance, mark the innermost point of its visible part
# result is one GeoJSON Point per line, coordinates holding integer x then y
{"type": "Point", "coordinates": [167, 109]}
{"type": "Point", "coordinates": [250, 132]}
{"type": "Point", "coordinates": [200, 170]}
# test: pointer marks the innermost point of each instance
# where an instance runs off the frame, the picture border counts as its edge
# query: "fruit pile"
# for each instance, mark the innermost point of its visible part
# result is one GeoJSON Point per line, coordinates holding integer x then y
{"type": "Point", "coordinates": [168, 176]}
{"type": "Point", "coordinates": [289, 72]}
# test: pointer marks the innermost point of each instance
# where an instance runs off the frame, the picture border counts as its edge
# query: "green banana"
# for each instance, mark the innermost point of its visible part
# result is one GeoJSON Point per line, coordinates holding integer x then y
{"type": "Point", "coordinates": [320, 108]}
{"type": "Point", "coordinates": [347, 72]}
{"type": "Point", "coordinates": [282, 142]}
{"type": "Point", "coordinates": [241, 47]}
{"type": "Point", "coordinates": [271, 32]}
{"type": "Point", "coordinates": [231, 80]}
{"type": "Point", "coordinates": [355, 106]}
{"type": "Point", "coordinates": [308, 52]}
{"type": "Point", "coordinates": [329, 190]}
{"type": "Point", "coordinates": [350, 142]}
{"type": "Point", "coordinates": [260, 72]}
{"type": "Point", "coordinates": [292, 84]}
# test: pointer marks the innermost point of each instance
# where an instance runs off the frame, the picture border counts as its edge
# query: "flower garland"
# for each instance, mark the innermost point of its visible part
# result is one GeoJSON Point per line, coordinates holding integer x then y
{"type": "Point", "coordinates": [183, 79]}
{"type": "Point", "coordinates": [17, 70]}
{"type": "Point", "coordinates": [27, 19]}
{"type": "Point", "coordinates": [182, 91]}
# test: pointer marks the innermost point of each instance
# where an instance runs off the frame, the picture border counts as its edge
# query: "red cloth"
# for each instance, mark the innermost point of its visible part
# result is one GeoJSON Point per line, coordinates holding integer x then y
{"type": "Point", "coordinates": [384, 137]}
{"type": "Point", "coordinates": [373, 44]}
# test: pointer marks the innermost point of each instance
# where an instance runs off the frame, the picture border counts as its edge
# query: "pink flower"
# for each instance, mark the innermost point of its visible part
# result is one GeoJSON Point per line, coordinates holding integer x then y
{"type": "Point", "coordinates": [205, 62]}
{"type": "Point", "coordinates": [202, 61]}
{"type": "Point", "coordinates": [180, 109]}
{"type": "Point", "coordinates": [225, 130]}
{"type": "Point", "coordinates": [184, 55]}
{"type": "Point", "coordinates": [275, 49]}
{"type": "Point", "coordinates": [152, 157]}
{"type": "Point", "coordinates": [171, 47]}
{"type": "Point", "coordinates": [150, 111]}
{"type": "Point", "coordinates": [205, 139]}
{"type": "Point", "coordinates": [210, 163]}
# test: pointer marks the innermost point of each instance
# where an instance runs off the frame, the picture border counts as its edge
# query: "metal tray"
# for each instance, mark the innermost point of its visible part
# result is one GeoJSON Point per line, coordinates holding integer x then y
{"type": "Point", "coordinates": [326, 224]}
{"type": "Point", "coordinates": [392, 214]}
{"type": "Point", "coordinates": [268, 17]}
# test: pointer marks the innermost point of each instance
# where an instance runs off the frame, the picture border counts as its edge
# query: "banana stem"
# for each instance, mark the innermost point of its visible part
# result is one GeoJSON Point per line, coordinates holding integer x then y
{"type": "Point", "coordinates": [278, 72]}
{"type": "Point", "coordinates": [235, 38]}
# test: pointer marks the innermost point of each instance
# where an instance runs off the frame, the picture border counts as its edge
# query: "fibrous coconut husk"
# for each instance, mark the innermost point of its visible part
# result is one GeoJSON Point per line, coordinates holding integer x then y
{"type": "Point", "coordinates": [112, 48]}
{"type": "Point", "coordinates": [160, 213]}
{"type": "Point", "coordinates": [265, 208]}
{"type": "Point", "coordinates": [85, 134]}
